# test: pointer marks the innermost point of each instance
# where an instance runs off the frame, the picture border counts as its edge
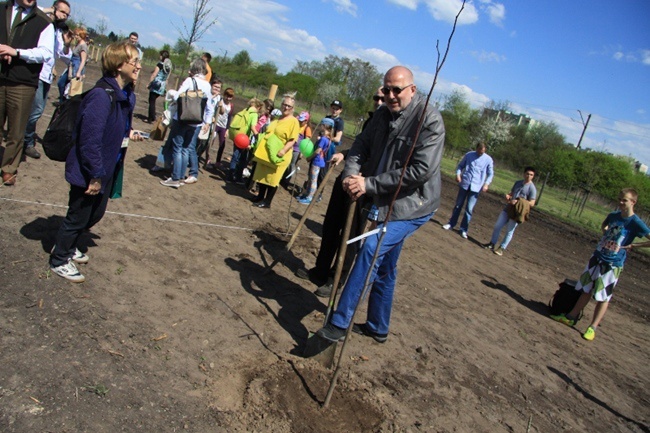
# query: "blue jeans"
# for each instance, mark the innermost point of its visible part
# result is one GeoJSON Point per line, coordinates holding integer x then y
{"type": "Point", "coordinates": [38, 106]}
{"type": "Point", "coordinates": [510, 226]}
{"type": "Point", "coordinates": [472, 198]}
{"type": "Point", "coordinates": [181, 137]}
{"type": "Point", "coordinates": [238, 163]}
{"type": "Point", "coordinates": [384, 276]}
{"type": "Point", "coordinates": [194, 157]}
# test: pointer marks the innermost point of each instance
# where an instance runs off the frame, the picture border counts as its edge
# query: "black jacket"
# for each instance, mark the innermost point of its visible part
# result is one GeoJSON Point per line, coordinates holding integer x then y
{"type": "Point", "coordinates": [24, 36]}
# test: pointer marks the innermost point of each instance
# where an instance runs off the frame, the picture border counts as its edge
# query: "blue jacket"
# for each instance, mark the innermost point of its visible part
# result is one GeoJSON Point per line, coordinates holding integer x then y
{"type": "Point", "coordinates": [475, 171]}
{"type": "Point", "coordinates": [99, 134]}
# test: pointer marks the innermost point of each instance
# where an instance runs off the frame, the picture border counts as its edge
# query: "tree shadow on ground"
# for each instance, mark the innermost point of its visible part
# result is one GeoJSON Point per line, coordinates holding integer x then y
{"type": "Point", "coordinates": [536, 306]}
{"type": "Point", "coordinates": [599, 402]}
{"type": "Point", "coordinates": [294, 301]}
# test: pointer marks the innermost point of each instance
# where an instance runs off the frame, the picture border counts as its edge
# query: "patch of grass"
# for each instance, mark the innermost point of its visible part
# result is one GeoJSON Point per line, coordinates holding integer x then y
{"type": "Point", "coordinates": [100, 390]}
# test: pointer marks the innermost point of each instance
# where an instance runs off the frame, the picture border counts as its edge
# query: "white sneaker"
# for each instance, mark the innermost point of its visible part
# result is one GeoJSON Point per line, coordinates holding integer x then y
{"type": "Point", "coordinates": [463, 234]}
{"type": "Point", "coordinates": [446, 227]}
{"type": "Point", "coordinates": [80, 257]}
{"type": "Point", "coordinates": [190, 180]}
{"type": "Point", "coordinates": [69, 271]}
{"type": "Point", "coordinates": [171, 183]}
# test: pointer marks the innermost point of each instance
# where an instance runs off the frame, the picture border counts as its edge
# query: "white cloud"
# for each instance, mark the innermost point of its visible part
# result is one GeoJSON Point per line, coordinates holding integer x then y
{"type": "Point", "coordinates": [443, 10]}
{"type": "Point", "coordinates": [244, 43]}
{"type": "Point", "coordinates": [488, 56]}
{"type": "Point", "coordinates": [497, 13]}
{"type": "Point", "coordinates": [380, 58]}
{"type": "Point", "coordinates": [345, 6]}
{"type": "Point", "coordinates": [161, 37]}
{"type": "Point", "coordinates": [640, 111]}
{"type": "Point", "coordinates": [276, 52]}
{"type": "Point", "coordinates": [618, 55]}
{"type": "Point", "coordinates": [137, 6]}
{"type": "Point", "coordinates": [446, 10]}
{"type": "Point", "coordinates": [645, 57]}
{"type": "Point", "coordinates": [409, 4]}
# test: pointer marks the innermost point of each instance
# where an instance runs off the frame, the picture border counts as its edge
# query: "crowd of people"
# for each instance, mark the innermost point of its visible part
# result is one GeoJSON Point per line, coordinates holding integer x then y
{"type": "Point", "coordinates": [395, 181]}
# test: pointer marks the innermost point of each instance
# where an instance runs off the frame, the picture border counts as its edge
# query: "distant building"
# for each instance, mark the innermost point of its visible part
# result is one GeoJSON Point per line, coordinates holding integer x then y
{"type": "Point", "coordinates": [515, 119]}
{"type": "Point", "coordinates": [641, 168]}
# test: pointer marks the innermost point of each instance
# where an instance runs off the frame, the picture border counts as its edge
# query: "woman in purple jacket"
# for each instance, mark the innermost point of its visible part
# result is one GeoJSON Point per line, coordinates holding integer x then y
{"type": "Point", "coordinates": [103, 124]}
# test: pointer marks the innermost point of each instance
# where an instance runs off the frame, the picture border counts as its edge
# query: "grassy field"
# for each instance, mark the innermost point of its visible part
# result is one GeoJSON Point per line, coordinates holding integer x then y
{"type": "Point", "coordinates": [552, 201]}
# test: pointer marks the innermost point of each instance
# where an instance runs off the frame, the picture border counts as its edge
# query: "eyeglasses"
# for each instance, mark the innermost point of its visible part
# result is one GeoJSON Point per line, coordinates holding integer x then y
{"type": "Point", "coordinates": [395, 89]}
{"type": "Point", "coordinates": [135, 63]}
{"type": "Point", "coordinates": [287, 106]}
{"type": "Point", "coordinates": [377, 98]}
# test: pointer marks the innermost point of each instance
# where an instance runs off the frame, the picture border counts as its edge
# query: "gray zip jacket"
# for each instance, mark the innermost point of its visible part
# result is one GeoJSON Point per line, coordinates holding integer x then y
{"type": "Point", "coordinates": [420, 192]}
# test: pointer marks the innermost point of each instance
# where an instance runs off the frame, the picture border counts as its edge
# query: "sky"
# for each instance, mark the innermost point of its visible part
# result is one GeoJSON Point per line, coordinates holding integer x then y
{"type": "Point", "coordinates": [554, 60]}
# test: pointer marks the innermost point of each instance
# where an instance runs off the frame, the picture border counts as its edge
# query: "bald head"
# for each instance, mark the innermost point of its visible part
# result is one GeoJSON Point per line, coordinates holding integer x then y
{"type": "Point", "coordinates": [398, 89]}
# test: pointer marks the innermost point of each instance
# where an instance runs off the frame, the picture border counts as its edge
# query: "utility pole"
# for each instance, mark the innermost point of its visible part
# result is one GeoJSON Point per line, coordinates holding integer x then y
{"type": "Point", "coordinates": [583, 129]}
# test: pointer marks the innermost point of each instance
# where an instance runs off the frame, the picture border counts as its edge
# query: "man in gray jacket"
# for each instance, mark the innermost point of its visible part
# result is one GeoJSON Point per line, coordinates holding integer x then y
{"type": "Point", "coordinates": [382, 149]}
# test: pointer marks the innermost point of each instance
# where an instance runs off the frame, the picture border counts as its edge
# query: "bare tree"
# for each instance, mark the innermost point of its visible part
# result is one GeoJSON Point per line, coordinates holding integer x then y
{"type": "Point", "coordinates": [201, 22]}
{"type": "Point", "coordinates": [101, 26]}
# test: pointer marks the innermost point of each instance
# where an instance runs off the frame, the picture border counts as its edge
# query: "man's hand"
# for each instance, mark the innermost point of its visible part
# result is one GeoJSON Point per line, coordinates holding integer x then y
{"type": "Point", "coordinates": [485, 187]}
{"type": "Point", "coordinates": [355, 186]}
{"type": "Point", "coordinates": [336, 158]}
{"type": "Point", "coordinates": [94, 186]}
{"type": "Point", "coordinates": [6, 52]}
{"type": "Point", "coordinates": [458, 179]}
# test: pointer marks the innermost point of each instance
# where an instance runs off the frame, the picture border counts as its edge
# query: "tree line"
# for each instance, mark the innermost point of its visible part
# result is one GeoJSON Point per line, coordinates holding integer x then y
{"type": "Point", "coordinates": [542, 146]}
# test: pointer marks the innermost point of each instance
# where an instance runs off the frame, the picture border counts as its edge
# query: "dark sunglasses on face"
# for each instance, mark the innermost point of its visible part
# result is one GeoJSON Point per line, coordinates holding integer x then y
{"type": "Point", "coordinates": [378, 98]}
{"type": "Point", "coordinates": [395, 89]}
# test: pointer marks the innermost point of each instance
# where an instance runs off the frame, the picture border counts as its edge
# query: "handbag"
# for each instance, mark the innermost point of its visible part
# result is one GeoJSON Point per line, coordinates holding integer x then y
{"type": "Point", "coordinates": [76, 87]}
{"type": "Point", "coordinates": [191, 105]}
{"type": "Point", "coordinates": [268, 145]}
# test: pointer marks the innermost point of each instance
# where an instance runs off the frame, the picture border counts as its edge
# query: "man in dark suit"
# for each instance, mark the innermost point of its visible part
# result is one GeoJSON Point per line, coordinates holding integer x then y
{"type": "Point", "coordinates": [26, 42]}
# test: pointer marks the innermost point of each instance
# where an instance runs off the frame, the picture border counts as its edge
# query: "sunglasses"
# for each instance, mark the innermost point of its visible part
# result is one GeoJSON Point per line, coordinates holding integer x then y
{"type": "Point", "coordinates": [378, 98]}
{"type": "Point", "coordinates": [395, 89]}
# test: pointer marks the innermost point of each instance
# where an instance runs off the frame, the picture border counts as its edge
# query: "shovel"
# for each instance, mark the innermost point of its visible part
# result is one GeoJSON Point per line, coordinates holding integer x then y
{"type": "Point", "coordinates": [318, 348]}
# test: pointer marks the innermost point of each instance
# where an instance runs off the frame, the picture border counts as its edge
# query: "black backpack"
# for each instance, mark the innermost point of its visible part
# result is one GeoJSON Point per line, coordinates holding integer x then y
{"type": "Point", "coordinates": [58, 138]}
{"type": "Point", "coordinates": [565, 298]}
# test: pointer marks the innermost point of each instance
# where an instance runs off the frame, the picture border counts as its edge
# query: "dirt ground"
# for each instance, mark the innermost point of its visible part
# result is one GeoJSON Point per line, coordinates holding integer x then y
{"type": "Point", "coordinates": [178, 329]}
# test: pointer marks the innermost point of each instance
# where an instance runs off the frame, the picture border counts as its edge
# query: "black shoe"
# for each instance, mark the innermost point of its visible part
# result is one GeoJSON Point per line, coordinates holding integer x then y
{"type": "Point", "coordinates": [325, 290]}
{"type": "Point", "coordinates": [489, 246]}
{"type": "Point", "coordinates": [302, 273]}
{"type": "Point", "coordinates": [32, 152]}
{"type": "Point", "coordinates": [262, 205]}
{"type": "Point", "coordinates": [331, 333]}
{"type": "Point", "coordinates": [257, 199]}
{"type": "Point", "coordinates": [362, 329]}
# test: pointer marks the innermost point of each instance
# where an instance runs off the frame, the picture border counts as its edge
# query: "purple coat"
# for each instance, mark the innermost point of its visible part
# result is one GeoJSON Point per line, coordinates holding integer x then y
{"type": "Point", "coordinates": [100, 131]}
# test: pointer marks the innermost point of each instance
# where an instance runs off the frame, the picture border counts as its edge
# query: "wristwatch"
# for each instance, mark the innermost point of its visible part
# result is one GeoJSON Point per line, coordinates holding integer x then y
{"type": "Point", "coordinates": [18, 54]}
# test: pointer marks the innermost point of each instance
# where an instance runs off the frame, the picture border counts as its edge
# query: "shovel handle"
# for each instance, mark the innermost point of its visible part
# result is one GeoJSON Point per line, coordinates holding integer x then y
{"type": "Point", "coordinates": [340, 259]}
{"type": "Point", "coordinates": [309, 208]}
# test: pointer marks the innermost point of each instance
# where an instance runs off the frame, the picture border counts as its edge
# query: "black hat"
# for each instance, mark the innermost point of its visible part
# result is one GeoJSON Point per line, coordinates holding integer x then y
{"type": "Point", "coordinates": [337, 103]}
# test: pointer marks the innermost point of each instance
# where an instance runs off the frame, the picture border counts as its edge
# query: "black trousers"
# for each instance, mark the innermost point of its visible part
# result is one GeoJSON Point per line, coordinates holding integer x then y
{"type": "Point", "coordinates": [333, 227]}
{"type": "Point", "coordinates": [84, 211]}
{"type": "Point", "coordinates": [152, 106]}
